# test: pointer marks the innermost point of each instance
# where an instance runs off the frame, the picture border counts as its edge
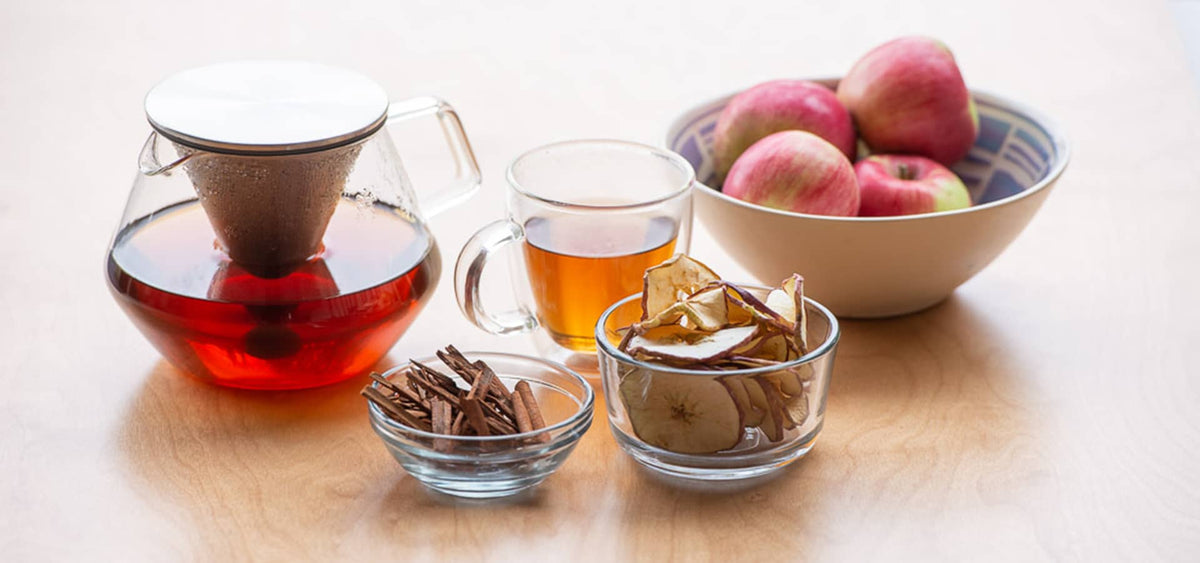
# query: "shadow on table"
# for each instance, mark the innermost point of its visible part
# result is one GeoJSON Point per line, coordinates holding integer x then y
{"type": "Point", "coordinates": [943, 365]}
{"type": "Point", "coordinates": [919, 405]}
{"type": "Point", "coordinates": [233, 463]}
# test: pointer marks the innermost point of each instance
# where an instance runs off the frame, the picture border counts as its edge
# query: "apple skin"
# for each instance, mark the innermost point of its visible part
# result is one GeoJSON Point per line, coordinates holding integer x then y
{"type": "Point", "coordinates": [908, 96]}
{"type": "Point", "coordinates": [780, 105]}
{"type": "Point", "coordinates": [795, 171]}
{"type": "Point", "coordinates": [906, 185]}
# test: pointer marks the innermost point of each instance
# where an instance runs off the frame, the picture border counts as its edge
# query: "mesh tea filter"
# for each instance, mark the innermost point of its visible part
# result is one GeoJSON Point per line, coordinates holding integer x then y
{"type": "Point", "coordinates": [271, 144]}
{"type": "Point", "coordinates": [270, 212]}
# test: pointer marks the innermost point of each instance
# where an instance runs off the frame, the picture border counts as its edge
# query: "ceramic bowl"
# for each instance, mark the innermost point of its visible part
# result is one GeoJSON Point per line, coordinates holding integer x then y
{"type": "Point", "coordinates": [884, 266]}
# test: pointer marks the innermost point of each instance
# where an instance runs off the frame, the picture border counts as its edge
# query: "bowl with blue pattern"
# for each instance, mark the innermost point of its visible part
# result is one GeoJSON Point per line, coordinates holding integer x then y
{"type": "Point", "coordinates": [870, 267]}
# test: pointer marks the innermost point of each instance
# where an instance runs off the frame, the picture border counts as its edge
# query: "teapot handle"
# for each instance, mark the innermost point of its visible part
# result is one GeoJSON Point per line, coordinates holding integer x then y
{"type": "Point", "coordinates": [466, 174]}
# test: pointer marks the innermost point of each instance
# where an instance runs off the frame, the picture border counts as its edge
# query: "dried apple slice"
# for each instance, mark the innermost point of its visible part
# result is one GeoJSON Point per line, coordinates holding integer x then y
{"type": "Point", "coordinates": [750, 300]}
{"type": "Point", "coordinates": [758, 399]}
{"type": "Point", "coordinates": [681, 413]}
{"type": "Point", "coordinates": [768, 420]}
{"type": "Point", "coordinates": [795, 287]}
{"type": "Point", "coordinates": [751, 415]}
{"type": "Point", "coordinates": [626, 334]}
{"type": "Point", "coordinates": [746, 308]}
{"type": "Point", "coordinates": [782, 302]}
{"type": "Point", "coordinates": [772, 422]}
{"type": "Point", "coordinates": [665, 284]}
{"type": "Point", "coordinates": [797, 408]}
{"type": "Point", "coordinates": [775, 347]}
{"type": "Point", "coordinates": [745, 362]}
{"type": "Point", "coordinates": [791, 381]}
{"type": "Point", "coordinates": [678, 343]}
{"type": "Point", "coordinates": [670, 333]}
{"type": "Point", "coordinates": [747, 348]}
{"type": "Point", "coordinates": [668, 316]}
{"type": "Point", "coordinates": [704, 310]}
{"type": "Point", "coordinates": [707, 308]}
{"type": "Point", "coordinates": [775, 400]}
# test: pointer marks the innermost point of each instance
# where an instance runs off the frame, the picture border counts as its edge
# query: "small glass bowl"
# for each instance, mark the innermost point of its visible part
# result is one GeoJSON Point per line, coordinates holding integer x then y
{"type": "Point", "coordinates": [492, 466]}
{"type": "Point", "coordinates": [632, 385]}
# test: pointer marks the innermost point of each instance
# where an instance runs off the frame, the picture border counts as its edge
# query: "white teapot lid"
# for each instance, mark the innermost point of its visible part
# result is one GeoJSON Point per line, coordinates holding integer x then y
{"type": "Point", "coordinates": [259, 107]}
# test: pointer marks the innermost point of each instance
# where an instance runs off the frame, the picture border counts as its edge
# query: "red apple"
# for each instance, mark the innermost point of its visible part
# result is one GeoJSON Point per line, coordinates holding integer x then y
{"type": "Point", "coordinates": [780, 105]}
{"type": "Point", "coordinates": [795, 171]}
{"type": "Point", "coordinates": [907, 96]}
{"type": "Point", "coordinates": [906, 185]}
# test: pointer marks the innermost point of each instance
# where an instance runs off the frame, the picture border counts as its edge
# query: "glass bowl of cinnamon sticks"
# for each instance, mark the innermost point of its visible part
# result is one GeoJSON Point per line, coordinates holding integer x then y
{"type": "Point", "coordinates": [480, 424]}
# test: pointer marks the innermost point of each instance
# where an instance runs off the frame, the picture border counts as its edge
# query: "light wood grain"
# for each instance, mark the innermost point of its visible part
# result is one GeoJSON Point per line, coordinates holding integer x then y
{"type": "Point", "coordinates": [1046, 411]}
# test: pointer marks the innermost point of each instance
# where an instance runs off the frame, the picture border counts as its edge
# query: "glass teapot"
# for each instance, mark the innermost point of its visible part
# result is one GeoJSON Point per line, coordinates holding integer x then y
{"type": "Point", "coordinates": [272, 239]}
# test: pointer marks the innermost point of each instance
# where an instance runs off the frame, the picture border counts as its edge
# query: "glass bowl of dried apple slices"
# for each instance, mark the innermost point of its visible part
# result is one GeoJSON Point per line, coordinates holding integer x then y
{"type": "Point", "coordinates": [712, 380]}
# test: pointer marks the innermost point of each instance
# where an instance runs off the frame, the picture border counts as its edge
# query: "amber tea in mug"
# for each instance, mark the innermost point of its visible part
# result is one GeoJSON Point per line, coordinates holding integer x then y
{"type": "Point", "coordinates": [590, 216]}
{"type": "Point", "coordinates": [574, 278]}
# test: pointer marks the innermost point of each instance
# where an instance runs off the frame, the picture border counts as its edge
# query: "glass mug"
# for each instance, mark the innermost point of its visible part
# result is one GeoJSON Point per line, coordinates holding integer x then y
{"type": "Point", "coordinates": [590, 216]}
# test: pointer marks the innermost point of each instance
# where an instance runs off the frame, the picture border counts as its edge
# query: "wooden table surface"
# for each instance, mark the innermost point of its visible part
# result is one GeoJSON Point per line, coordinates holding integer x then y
{"type": "Point", "coordinates": [1048, 410]}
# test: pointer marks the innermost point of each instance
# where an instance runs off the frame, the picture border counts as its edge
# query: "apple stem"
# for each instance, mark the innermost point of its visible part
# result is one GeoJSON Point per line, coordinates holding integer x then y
{"type": "Point", "coordinates": [904, 172]}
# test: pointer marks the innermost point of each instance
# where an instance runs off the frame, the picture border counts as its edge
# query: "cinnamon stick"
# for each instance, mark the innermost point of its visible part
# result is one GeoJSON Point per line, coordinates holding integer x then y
{"type": "Point", "coordinates": [482, 384]}
{"type": "Point", "coordinates": [493, 411]}
{"type": "Point", "coordinates": [535, 413]}
{"type": "Point", "coordinates": [405, 394]}
{"type": "Point", "coordinates": [427, 399]}
{"type": "Point", "coordinates": [523, 424]}
{"type": "Point", "coordinates": [470, 406]}
{"type": "Point", "coordinates": [497, 386]}
{"type": "Point", "coordinates": [436, 377]}
{"type": "Point", "coordinates": [391, 409]}
{"type": "Point", "coordinates": [384, 382]}
{"type": "Point", "coordinates": [453, 359]}
{"type": "Point", "coordinates": [531, 407]}
{"type": "Point", "coordinates": [457, 362]}
{"type": "Point", "coordinates": [500, 426]}
{"type": "Point", "coordinates": [441, 424]}
{"type": "Point", "coordinates": [437, 392]}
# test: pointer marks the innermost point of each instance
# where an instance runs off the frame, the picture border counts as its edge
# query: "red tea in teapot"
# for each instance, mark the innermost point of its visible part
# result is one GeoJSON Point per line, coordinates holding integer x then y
{"type": "Point", "coordinates": [324, 320]}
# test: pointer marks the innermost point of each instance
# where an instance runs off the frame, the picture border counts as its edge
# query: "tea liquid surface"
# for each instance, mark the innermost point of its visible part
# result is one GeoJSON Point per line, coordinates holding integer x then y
{"type": "Point", "coordinates": [331, 318]}
{"type": "Point", "coordinates": [579, 266]}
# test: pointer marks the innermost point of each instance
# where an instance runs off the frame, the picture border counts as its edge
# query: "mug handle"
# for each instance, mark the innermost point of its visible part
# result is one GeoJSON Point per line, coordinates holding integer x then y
{"type": "Point", "coordinates": [466, 170]}
{"type": "Point", "coordinates": [468, 271]}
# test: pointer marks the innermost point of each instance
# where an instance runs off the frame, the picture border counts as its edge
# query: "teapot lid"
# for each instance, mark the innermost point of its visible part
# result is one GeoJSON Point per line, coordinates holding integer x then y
{"type": "Point", "coordinates": [266, 107]}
